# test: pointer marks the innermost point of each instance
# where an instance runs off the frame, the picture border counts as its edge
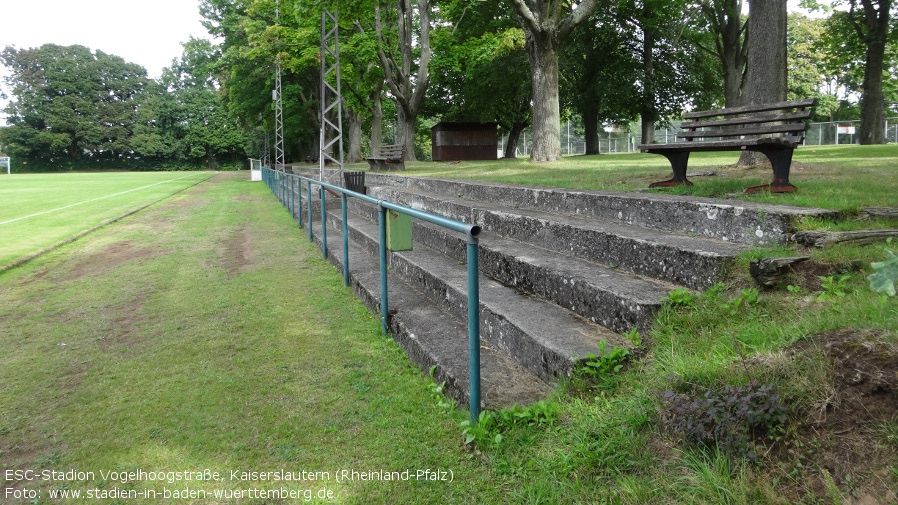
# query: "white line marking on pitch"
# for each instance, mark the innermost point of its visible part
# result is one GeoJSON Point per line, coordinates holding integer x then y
{"type": "Point", "coordinates": [91, 200]}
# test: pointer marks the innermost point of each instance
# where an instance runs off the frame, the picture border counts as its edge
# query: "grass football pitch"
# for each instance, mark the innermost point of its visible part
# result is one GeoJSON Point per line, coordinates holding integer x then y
{"type": "Point", "coordinates": [42, 211]}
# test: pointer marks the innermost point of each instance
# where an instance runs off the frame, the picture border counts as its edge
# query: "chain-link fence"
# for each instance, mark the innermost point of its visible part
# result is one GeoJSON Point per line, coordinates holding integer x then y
{"type": "Point", "coordinates": [572, 140]}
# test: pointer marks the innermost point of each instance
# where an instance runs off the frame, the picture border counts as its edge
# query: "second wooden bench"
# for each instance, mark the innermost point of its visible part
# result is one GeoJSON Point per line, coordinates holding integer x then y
{"type": "Point", "coordinates": [390, 157]}
{"type": "Point", "coordinates": [773, 129]}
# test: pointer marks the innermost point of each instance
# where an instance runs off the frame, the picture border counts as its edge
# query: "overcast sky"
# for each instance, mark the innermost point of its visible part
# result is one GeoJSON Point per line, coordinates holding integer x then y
{"type": "Point", "coordinates": [146, 32]}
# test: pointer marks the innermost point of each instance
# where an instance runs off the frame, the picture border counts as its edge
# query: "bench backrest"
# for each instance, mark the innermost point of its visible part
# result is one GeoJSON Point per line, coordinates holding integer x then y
{"type": "Point", "coordinates": [392, 152]}
{"type": "Point", "coordinates": [781, 119]}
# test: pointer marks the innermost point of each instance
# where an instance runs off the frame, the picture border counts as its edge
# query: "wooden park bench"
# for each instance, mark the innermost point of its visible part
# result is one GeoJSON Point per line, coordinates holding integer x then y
{"type": "Point", "coordinates": [773, 129]}
{"type": "Point", "coordinates": [388, 157]}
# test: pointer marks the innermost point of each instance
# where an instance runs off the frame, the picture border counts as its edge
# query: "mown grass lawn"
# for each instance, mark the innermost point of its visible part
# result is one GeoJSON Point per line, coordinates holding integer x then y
{"type": "Point", "coordinates": [38, 211]}
{"type": "Point", "coordinates": [206, 332]}
{"type": "Point", "coordinates": [843, 178]}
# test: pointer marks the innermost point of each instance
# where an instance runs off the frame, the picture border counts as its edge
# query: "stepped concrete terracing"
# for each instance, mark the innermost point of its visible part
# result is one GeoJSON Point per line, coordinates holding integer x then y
{"type": "Point", "coordinates": [561, 271]}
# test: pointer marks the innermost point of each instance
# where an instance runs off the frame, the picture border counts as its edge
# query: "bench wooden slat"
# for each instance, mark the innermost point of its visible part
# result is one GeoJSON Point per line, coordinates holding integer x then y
{"type": "Point", "coordinates": [723, 145]}
{"type": "Point", "coordinates": [743, 120]}
{"type": "Point", "coordinates": [746, 109]}
{"type": "Point", "coordinates": [738, 132]}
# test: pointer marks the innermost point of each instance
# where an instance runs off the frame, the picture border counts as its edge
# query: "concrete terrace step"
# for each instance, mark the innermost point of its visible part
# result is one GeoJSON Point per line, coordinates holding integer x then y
{"type": "Point", "coordinates": [694, 262]}
{"type": "Point", "coordinates": [738, 221]}
{"type": "Point", "coordinates": [610, 297]}
{"type": "Point", "coordinates": [545, 338]}
{"type": "Point", "coordinates": [562, 270]}
{"type": "Point", "coordinates": [434, 339]}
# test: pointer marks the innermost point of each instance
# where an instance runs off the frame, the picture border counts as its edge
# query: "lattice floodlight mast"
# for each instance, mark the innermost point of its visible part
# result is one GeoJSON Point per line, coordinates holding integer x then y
{"type": "Point", "coordinates": [266, 150]}
{"type": "Point", "coordinates": [331, 112]}
{"type": "Point", "coordinates": [278, 106]}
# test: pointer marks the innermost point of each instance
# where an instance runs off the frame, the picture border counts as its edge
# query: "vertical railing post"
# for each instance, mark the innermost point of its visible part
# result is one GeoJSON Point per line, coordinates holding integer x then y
{"type": "Point", "coordinates": [321, 197]}
{"type": "Point", "coordinates": [309, 214]}
{"type": "Point", "coordinates": [473, 327]}
{"type": "Point", "coordinates": [384, 306]}
{"type": "Point", "coordinates": [345, 230]}
{"type": "Point", "coordinates": [298, 201]}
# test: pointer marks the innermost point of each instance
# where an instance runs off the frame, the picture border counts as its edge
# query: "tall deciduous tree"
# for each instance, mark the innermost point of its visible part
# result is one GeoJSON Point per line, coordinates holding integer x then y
{"type": "Point", "coordinates": [407, 76]}
{"type": "Point", "coordinates": [599, 67]}
{"type": "Point", "coordinates": [766, 78]}
{"type": "Point", "coordinates": [871, 24]}
{"type": "Point", "coordinates": [547, 24]}
{"type": "Point", "coordinates": [725, 22]}
{"type": "Point", "coordinates": [480, 68]}
{"type": "Point", "coordinates": [71, 105]}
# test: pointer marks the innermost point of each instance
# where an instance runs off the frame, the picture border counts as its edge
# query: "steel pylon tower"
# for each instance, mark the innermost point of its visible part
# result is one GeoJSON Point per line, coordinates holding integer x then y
{"type": "Point", "coordinates": [278, 105]}
{"type": "Point", "coordinates": [331, 112]}
{"type": "Point", "coordinates": [266, 150]}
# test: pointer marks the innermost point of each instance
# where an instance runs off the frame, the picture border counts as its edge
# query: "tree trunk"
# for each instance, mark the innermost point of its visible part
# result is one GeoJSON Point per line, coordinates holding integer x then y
{"type": "Point", "coordinates": [591, 129]}
{"type": "Point", "coordinates": [354, 135]}
{"type": "Point", "coordinates": [546, 144]}
{"type": "Point", "coordinates": [648, 114]}
{"type": "Point", "coordinates": [377, 120]}
{"type": "Point", "coordinates": [406, 88]}
{"type": "Point", "coordinates": [547, 24]}
{"type": "Point", "coordinates": [873, 115]}
{"type": "Point", "coordinates": [874, 34]}
{"type": "Point", "coordinates": [511, 147]}
{"type": "Point", "coordinates": [725, 18]}
{"type": "Point", "coordinates": [406, 131]}
{"type": "Point", "coordinates": [765, 78]}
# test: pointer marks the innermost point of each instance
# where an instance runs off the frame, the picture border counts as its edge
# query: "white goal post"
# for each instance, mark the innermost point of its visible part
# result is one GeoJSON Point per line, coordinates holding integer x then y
{"type": "Point", "coordinates": [5, 161]}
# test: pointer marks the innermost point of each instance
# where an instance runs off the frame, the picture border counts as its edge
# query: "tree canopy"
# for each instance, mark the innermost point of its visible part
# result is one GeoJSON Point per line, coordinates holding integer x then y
{"type": "Point", "coordinates": [74, 108]}
{"type": "Point", "coordinates": [406, 65]}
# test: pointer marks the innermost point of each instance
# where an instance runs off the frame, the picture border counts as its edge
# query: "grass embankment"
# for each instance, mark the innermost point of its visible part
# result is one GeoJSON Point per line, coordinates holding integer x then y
{"type": "Point", "coordinates": [41, 211]}
{"type": "Point", "coordinates": [843, 178]}
{"type": "Point", "coordinates": [206, 333]}
{"type": "Point", "coordinates": [197, 344]}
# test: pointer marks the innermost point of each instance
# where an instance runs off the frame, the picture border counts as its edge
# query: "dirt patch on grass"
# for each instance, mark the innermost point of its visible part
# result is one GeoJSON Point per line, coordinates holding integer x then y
{"type": "Point", "coordinates": [848, 443]}
{"type": "Point", "coordinates": [235, 253]}
{"type": "Point", "coordinates": [108, 259]}
{"type": "Point", "coordinates": [122, 328]}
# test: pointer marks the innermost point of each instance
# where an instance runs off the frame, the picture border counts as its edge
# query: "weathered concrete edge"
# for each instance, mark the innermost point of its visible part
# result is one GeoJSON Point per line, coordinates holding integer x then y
{"type": "Point", "coordinates": [745, 222]}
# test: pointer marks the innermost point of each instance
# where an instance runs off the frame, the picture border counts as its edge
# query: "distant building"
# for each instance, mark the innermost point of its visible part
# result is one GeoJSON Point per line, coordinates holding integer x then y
{"type": "Point", "coordinates": [464, 141]}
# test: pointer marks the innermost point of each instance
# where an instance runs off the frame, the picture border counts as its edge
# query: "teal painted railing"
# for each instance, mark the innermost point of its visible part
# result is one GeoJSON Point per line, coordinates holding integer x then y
{"type": "Point", "coordinates": [288, 190]}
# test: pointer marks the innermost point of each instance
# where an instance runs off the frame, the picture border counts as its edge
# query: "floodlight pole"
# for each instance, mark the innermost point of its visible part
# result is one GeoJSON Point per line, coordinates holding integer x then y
{"type": "Point", "coordinates": [331, 113]}
{"type": "Point", "coordinates": [278, 105]}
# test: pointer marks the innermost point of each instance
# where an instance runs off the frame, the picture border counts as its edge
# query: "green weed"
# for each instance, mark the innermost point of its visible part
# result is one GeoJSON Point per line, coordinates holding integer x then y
{"type": "Point", "coordinates": [834, 286]}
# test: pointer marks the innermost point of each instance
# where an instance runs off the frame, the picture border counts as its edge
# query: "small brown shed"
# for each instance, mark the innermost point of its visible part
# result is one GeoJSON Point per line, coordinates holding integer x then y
{"type": "Point", "coordinates": [464, 141]}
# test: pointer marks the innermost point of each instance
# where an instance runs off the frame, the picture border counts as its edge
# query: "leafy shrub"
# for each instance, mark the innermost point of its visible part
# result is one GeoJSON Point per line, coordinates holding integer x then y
{"type": "Point", "coordinates": [729, 417]}
{"type": "Point", "coordinates": [885, 277]}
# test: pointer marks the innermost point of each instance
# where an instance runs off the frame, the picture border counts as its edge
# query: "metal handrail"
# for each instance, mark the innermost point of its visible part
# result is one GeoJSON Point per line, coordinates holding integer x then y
{"type": "Point", "coordinates": [288, 189]}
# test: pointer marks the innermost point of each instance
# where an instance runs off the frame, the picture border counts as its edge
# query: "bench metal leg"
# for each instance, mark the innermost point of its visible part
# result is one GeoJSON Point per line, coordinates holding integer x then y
{"type": "Point", "coordinates": [678, 162]}
{"type": "Point", "coordinates": [781, 161]}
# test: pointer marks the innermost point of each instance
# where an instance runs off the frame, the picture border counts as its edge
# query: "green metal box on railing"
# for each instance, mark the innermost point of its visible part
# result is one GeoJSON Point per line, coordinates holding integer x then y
{"type": "Point", "coordinates": [399, 231]}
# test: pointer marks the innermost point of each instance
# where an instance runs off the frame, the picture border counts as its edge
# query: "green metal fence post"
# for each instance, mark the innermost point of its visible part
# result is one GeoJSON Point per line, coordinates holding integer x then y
{"type": "Point", "coordinates": [473, 327]}
{"type": "Point", "coordinates": [298, 202]}
{"type": "Point", "coordinates": [384, 306]}
{"type": "Point", "coordinates": [345, 242]}
{"type": "Point", "coordinates": [323, 222]}
{"type": "Point", "coordinates": [309, 214]}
